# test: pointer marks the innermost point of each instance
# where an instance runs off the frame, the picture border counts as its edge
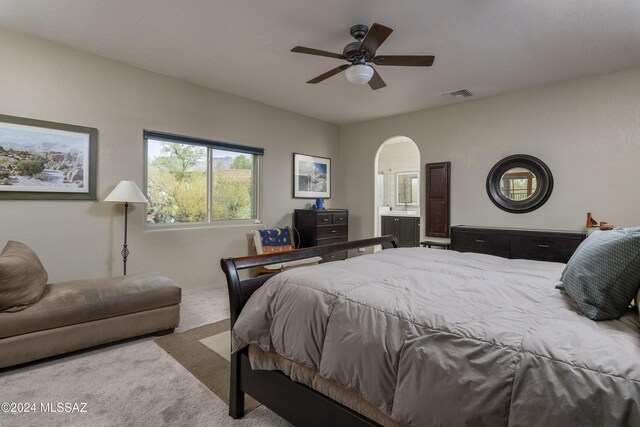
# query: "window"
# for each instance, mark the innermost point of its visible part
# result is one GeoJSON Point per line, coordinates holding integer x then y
{"type": "Point", "coordinates": [196, 181]}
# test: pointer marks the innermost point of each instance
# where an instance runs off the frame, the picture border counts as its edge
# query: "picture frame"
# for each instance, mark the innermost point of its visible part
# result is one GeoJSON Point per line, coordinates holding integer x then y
{"type": "Point", "coordinates": [311, 176]}
{"type": "Point", "coordinates": [42, 160]}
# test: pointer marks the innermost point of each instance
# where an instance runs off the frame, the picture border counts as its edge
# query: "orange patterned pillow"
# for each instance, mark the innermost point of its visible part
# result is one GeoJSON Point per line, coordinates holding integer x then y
{"type": "Point", "coordinates": [276, 249]}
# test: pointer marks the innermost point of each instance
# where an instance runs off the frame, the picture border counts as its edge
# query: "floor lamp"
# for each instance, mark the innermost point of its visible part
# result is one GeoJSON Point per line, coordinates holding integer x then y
{"type": "Point", "coordinates": [126, 192]}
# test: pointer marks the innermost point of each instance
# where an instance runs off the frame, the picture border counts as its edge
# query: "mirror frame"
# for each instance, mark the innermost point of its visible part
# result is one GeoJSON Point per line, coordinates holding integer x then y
{"type": "Point", "coordinates": [543, 189]}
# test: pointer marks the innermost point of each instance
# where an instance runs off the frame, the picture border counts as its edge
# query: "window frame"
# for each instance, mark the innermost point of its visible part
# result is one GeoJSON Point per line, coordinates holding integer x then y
{"type": "Point", "coordinates": [210, 145]}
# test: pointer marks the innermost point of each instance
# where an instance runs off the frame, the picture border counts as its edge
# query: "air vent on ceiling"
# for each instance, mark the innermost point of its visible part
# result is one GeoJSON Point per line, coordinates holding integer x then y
{"type": "Point", "coordinates": [457, 95]}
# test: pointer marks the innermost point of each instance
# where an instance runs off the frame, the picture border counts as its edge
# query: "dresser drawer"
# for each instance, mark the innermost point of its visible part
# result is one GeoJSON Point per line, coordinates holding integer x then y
{"type": "Point", "coordinates": [340, 218]}
{"type": "Point", "coordinates": [331, 230]}
{"type": "Point", "coordinates": [324, 218]}
{"type": "Point", "coordinates": [544, 248]}
{"type": "Point", "coordinates": [329, 240]}
{"type": "Point", "coordinates": [337, 256]}
{"type": "Point", "coordinates": [469, 241]}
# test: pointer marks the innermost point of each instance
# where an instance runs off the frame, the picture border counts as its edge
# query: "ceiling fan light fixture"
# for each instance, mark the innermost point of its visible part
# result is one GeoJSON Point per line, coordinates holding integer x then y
{"type": "Point", "coordinates": [358, 53]}
{"type": "Point", "coordinates": [359, 74]}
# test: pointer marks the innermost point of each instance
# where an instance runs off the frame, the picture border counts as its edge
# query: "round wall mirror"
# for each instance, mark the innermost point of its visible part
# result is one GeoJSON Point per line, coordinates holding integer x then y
{"type": "Point", "coordinates": [519, 183]}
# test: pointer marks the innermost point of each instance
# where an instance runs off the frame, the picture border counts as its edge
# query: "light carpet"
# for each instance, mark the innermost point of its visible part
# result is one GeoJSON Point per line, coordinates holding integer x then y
{"type": "Point", "coordinates": [133, 383]}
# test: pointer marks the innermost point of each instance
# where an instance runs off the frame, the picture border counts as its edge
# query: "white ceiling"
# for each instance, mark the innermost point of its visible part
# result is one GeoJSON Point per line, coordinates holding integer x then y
{"type": "Point", "coordinates": [242, 46]}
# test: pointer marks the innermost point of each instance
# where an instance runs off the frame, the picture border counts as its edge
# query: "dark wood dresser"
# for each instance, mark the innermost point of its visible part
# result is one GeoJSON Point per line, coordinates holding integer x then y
{"type": "Point", "coordinates": [321, 227]}
{"type": "Point", "coordinates": [514, 243]}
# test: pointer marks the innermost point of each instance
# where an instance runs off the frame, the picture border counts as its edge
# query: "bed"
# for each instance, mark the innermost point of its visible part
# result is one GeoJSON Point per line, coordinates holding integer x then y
{"type": "Point", "coordinates": [416, 336]}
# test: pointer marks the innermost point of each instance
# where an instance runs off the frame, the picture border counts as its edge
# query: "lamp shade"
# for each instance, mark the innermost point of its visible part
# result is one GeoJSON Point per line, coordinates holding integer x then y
{"type": "Point", "coordinates": [126, 192]}
{"type": "Point", "coordinates": [359, 74]}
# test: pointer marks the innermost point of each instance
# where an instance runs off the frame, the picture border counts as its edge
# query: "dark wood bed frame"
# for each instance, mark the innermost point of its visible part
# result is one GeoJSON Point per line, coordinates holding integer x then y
{"type": "Point", "coordinates": [295, 402]}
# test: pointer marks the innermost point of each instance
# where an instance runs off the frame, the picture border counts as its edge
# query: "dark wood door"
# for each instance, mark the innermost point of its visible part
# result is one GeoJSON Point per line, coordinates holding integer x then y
{"type": "Point", "coordinates": [438, 199]}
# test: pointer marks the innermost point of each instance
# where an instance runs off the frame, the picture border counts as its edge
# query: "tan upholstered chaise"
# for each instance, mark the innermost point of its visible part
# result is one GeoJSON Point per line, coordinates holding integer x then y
{"type": "Point", "coordinates": [83, 313]}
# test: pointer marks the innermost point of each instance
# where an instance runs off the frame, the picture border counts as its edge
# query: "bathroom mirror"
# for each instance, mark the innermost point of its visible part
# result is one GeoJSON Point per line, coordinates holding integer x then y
{"type": "Point", "coordinates": [519, 183]}
{"type": "Point", "coordinates": [407, 188]}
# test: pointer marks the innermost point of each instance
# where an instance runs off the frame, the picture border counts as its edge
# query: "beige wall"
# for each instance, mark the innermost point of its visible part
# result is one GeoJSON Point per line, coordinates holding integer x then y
{"type": "Point", "coordinates": [587, 131]}
{"type": "Point", "coordinates": [77, 239]}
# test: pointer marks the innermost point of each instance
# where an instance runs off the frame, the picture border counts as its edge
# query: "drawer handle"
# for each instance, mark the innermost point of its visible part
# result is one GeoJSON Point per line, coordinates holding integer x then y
{"type": "Point", "coordinates": [334, 230]}
{"type": "Point", "coordinates": [480, 240]}
{"type": "Point", "coordinates": [325, 219]}
{"type": "Point", "coordinates": [340, 219]}
{"type": "Point", "coordinates": [543, 246]}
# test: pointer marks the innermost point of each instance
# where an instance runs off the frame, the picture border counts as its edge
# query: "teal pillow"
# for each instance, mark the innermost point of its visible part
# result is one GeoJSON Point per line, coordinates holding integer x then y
{"type": "Point", "coordinates": [603, 275]}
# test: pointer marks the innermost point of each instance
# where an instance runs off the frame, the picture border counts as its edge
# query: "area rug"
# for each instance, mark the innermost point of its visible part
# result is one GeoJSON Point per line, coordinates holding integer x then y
{"type": "Point", "coordinates": [205, 352]}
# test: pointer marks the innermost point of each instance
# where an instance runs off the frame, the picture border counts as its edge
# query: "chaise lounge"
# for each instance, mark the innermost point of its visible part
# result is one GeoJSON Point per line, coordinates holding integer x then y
{"type": "Point", "coordinates": [79, 314]}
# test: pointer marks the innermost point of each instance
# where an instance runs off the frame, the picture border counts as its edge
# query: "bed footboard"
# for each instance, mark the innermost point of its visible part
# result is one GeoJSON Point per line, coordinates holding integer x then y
{"type": "Point", "coordinates": [241, 290]}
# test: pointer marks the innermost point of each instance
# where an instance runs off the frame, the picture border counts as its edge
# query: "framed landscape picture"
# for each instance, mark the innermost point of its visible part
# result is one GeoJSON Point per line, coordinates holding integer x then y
{"type": "Point", "coordinates": [46, 160]}
{"type": "Point", "coordinates": [311, 177]}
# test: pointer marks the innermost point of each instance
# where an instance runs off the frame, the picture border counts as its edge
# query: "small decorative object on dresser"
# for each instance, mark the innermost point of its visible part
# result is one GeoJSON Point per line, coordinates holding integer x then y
{"type": "Point", "coordinates": [540, 245]}
{"type": "Point", "coordinates": [591, 222]}
{"type": "Point", "coordinates": [321, 227]}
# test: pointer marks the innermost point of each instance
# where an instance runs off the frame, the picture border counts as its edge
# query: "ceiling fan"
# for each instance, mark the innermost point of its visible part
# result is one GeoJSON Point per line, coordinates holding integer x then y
{"type": "Point", "coordinates": [362, 52]}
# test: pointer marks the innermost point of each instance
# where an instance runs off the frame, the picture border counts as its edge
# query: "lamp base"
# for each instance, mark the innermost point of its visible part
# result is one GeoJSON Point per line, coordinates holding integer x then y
{"type": "Point", "coordinates": [125, 250]}
{"type": "Point", "coordinates": [125, 254]}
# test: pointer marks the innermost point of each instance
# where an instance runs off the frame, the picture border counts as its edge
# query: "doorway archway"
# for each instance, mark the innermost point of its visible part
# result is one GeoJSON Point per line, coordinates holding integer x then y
{"type": "Point", "coordinates": [397, 178]}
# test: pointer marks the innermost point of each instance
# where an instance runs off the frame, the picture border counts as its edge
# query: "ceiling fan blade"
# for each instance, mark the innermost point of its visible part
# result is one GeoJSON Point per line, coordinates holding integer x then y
{"type": "Point", "coordinates": [376, 81]}
{"type": "Point", "coordinates": [404, 60]}
{"type": "Point", "coordinates": [329, 73]}
{"type": "Point", "coordinates": [310, 51]}
{"type": "Point", "coordinates": [376, 35]}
